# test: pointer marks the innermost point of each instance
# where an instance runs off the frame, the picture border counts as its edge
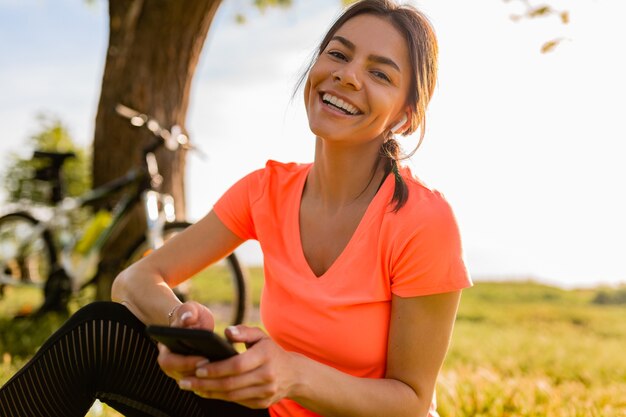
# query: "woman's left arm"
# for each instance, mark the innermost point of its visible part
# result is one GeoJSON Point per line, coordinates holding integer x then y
{"type": "Point", "coordinates": [419, 336]}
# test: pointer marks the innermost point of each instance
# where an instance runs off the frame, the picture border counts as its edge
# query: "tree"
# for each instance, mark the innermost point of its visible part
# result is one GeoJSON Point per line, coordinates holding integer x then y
{"type": "Point", "coordinates": [152, 55]}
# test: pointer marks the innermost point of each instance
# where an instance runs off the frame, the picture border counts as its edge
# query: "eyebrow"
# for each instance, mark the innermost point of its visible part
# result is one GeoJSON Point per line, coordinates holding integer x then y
{"type": "Point", "coordinates": [376, 58]}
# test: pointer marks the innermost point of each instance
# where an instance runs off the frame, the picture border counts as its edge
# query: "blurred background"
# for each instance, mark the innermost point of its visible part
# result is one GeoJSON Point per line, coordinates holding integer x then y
{"type": "Point", "coordinates": [525, 137]}
{"type": "Point", "coordinates": [527, 146]}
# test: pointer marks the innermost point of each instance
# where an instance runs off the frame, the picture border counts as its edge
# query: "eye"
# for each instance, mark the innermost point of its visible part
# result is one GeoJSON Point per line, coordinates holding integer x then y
{"type": "Point", "coordinates": [338, 55]}
{"type": "Point", "coordinates": [381, 75]}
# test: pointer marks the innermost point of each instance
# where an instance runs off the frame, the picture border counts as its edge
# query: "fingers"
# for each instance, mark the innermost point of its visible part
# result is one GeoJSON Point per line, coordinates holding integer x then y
{"type": "Point", "coordinates": [193, 315]}
{"type": "Point", "coordinates": [228, 383]}
{"type": "Point", "coordinates": [178, 366]}
{"type": "Point", "coordinates": [190, 315]}
{"type": "Point", "coordinates": [256, 378]}
{"type": "Point", "coordinates": [183, 313]}
{"type": "Point", "coordinates": [236, 365]}
{"type": "Point", "coordinates": [256, 396]}
{"type": "Point", "coordinates": [245, 334]}
{"type": "Point", "coordinates": [256, 389]}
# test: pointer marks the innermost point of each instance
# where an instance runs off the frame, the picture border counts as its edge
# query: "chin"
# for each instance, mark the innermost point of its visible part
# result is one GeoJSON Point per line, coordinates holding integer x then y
{"type": "Point", "coordinates": [325, 133]}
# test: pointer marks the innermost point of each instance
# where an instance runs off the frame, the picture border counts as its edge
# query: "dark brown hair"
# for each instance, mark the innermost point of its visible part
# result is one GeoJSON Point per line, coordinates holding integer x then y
{"type": "Point", "coordinates": [423, 51]}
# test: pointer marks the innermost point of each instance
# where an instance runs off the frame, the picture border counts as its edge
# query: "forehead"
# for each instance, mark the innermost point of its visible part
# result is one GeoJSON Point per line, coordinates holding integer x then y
{"type": "Point", "coordinates": [376, 35]}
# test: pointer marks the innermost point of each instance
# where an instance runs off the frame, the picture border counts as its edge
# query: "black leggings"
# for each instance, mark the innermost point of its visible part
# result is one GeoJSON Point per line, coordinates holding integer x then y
{"type": "Point", "coordinates": [102, 352]}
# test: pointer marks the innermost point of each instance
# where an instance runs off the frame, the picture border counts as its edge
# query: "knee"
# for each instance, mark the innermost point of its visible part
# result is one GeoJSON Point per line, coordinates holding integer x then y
{"type": "Point", "coordinates": [104, 310]}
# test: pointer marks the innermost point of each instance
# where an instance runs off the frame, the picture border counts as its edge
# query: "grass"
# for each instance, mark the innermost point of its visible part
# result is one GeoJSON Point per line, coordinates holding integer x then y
{"type": "Point", "coordinates": [519, 349]}
{"type": "Point", "coordinates": [523, 349]}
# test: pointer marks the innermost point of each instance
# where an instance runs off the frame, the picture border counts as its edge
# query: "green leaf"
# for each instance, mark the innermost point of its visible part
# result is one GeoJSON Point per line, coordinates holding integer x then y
{"type": "Point", "coordinates": [264, 4]}
{"type": "Point", "coordinates": [240, 19]}
{"type": "Point", "coordinates": [540, 11]}
{"type": "Point", "coordinates": [550, 45]}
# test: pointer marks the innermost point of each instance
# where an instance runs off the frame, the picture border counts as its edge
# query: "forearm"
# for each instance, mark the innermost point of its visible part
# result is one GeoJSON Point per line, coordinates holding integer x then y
{"type": "Point", "coordinates": [145, 293]}
{"type": "Point", "coordinates": [329, 392]}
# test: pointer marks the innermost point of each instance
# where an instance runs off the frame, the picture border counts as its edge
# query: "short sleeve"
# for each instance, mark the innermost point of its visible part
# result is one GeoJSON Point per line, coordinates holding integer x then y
{"type": "Point", "coordinates": [234, 208]}
{"type": "Point", "coordinates": [429, 259]}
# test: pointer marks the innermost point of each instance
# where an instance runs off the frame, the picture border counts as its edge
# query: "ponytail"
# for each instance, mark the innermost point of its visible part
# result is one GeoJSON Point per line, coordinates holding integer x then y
{"type": "Point", "coordinates": [390, 153]}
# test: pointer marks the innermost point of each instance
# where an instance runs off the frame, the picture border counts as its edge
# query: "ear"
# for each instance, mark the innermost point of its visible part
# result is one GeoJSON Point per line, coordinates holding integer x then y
{"type": "Point", "coordinates": [399, 127]}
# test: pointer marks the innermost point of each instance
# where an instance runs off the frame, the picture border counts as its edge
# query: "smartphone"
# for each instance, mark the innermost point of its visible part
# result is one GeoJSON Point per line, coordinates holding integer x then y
{"type": "Point", "coordinates": [193, 342]}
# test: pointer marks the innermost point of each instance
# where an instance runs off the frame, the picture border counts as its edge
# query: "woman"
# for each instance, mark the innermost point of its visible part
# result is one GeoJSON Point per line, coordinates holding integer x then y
{"type": "Point", "coordinates": [363, 265]}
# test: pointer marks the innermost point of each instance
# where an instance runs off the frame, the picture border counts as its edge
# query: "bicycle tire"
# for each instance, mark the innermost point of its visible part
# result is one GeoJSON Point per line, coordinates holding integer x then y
{"type": "Point", "coordinates": [231, 304]}
{"type": "Point", "coordinates": [24, 261]}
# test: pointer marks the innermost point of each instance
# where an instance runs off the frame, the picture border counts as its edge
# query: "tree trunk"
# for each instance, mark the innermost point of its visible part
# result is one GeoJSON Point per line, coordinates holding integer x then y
{"type": "Point", "coordinates": [154, 46]}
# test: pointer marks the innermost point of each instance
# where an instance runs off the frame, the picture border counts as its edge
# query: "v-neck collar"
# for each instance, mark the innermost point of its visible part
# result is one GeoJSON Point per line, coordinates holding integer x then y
{"type": "Point", "coordinates": [365, 220]}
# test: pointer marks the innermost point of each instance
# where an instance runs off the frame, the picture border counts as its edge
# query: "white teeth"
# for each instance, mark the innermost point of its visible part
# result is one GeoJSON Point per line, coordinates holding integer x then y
{"type": "Point", "coordinates": [337, 102]}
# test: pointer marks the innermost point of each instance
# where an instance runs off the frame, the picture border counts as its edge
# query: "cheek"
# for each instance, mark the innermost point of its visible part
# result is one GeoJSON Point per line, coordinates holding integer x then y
{"type": "Point", "coordinates": [307, 91]}
{"type": "Point", "coordinates": [312, 81]}
{"type": "Point", "coordinates": [389, 106]}
{"type": "Point", "coordinates": [316, 74]}
{"type": "Point", "coordinates": [307, 88]}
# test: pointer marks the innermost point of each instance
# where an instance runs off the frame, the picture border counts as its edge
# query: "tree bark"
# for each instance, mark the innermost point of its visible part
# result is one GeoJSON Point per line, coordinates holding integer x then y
{"type": "Point", "coordinates": [154, 47]}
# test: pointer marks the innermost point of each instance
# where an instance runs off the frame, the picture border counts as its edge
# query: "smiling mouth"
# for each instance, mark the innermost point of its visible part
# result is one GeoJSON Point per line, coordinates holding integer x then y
{"type": "Point", "coordinates": [340, 105]}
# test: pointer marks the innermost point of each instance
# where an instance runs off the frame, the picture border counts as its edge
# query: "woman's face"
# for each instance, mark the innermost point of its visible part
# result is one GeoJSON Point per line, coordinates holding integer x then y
{"type": "Point", "coordinates": [357, 89]}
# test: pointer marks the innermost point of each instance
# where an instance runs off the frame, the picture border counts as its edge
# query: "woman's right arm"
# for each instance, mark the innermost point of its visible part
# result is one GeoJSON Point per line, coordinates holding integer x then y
{"type": "Point", "coordinates": [145, 286]}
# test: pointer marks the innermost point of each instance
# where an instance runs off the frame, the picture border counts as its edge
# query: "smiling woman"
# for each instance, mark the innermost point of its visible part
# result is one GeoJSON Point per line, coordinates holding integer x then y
{"type": "Point", "coordinates": [398, 56]}
{"type": "Point", "coordinates": [363, 265]}
{"type": "Point", "coordinates": [355, 89]}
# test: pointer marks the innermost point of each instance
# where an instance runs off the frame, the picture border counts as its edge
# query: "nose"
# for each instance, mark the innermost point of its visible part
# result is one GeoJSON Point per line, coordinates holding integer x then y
{"type": "Point", "coordinates": [347, 76]}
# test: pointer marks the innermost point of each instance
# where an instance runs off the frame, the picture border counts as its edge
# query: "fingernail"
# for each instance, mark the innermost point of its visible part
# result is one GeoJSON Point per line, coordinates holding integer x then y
{"type": "Point", "coordinates": [185, 316]}
{"type": "Point", "coordinates": [202, 363]}
{"type": "Point", "coordinates": [201, 372]}
{"type": "Point", "coordinates": [184, 384]}
{"type": "Point", "coordinates": [233, 330]}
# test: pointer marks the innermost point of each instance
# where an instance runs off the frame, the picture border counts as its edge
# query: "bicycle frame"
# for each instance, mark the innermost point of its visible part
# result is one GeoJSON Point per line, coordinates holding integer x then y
{"type": "Point", "coordinates": [158, 208]}
{"type": "Point", "coordinates": [142, 184]}
{"type": "Point", "coordinates": [82, 268]}
{"type": "Point", "coordinates": [38, 246]}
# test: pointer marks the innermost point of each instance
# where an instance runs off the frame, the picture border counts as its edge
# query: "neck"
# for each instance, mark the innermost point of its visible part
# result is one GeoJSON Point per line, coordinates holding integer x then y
{"type": "Point", "coordinates": [342, 175]}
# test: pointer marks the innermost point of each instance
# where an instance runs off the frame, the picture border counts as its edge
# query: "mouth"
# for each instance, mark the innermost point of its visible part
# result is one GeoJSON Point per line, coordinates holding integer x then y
{"type": "Point", "coordinates": [340, 104]}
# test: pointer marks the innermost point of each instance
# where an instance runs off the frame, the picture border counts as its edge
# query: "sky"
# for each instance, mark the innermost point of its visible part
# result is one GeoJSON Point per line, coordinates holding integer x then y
{"type": "Point", "coordinates": [527, 147]}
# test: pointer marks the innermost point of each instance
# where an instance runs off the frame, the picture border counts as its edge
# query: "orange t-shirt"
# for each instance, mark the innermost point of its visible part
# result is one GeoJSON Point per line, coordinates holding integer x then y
{"type": "Point", "coordinates": [342, 317]}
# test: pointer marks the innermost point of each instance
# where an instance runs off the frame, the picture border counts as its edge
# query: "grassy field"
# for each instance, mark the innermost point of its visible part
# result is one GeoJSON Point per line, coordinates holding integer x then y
{"type": "Point", "coordinates": [522, 349]}
{"type": "Point", "coordinates": [519, 349]}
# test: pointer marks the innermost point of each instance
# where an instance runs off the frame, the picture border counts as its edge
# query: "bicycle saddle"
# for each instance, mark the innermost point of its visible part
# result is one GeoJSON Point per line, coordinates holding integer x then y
{"type": "Point", "coordinates": [51, 171]}
{"type": "Point", "coordinates": [57, 158]}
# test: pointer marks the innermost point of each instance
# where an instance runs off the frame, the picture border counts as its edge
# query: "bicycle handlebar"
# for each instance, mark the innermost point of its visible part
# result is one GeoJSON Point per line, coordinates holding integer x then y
{"type": "Point", "coordinates": [172, 139]}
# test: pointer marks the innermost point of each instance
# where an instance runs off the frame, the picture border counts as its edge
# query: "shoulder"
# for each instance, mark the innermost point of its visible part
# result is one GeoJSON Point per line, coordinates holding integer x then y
{"type": "Point", "coordinates": [424, 202]}
{"type": "Point", "coordinates": [424, 243]}
{"type": "Point", "coordinates": [426, 217]}
{"type": "Point", "coordinates": [257, 192]}
{"type": "Point", "coordinates": [284, 169]}
{"type": "Point", "coordinates": [274, 178]}
{"type": "Point", "coordinates": [281, 173]}
{"type": "Point", "coordinates": [275, 170]}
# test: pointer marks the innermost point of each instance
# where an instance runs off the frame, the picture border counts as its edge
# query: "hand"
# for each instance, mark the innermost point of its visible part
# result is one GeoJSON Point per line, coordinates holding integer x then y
{"type": "Point", "coordinates": [191, 315]}
{"type": "Point", "coordinates": [257, 378]}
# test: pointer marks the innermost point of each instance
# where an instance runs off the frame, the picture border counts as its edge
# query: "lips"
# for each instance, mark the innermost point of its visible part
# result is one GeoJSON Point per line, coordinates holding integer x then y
{"type": "Point", "coordinates": [340, 104]}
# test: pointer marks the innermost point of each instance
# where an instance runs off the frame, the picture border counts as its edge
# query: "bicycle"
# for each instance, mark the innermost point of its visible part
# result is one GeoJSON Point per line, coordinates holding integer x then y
{"type": "Point", "coordinates": [39, 249]}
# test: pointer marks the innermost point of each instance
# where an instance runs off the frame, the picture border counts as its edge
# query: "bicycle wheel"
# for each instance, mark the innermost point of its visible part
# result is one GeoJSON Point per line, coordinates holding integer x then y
{"type": "Point", "coordinates": [222, 286]}
{"type": "Point", "coordinates": [26, 255]}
